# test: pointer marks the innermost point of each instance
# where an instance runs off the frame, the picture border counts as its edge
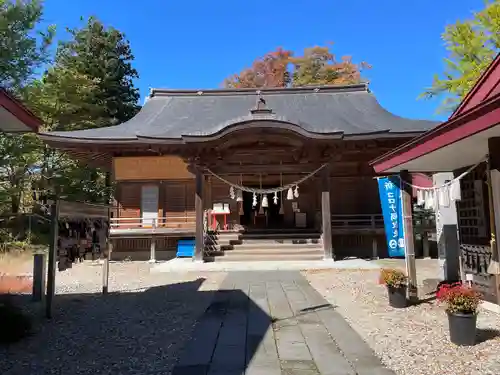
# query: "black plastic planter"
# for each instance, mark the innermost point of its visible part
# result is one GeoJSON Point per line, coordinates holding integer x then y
{"type": "Point", "coordinates": [462, 328]}
{"type": "Point", "coordinates": [397, 297]}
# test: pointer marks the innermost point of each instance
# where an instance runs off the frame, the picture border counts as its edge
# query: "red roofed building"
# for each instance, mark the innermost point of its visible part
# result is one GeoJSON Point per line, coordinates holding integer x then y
{"type": "Point", "coordinates": [14, 116]}
{"type": "Point", "coordinates": [470, 136]}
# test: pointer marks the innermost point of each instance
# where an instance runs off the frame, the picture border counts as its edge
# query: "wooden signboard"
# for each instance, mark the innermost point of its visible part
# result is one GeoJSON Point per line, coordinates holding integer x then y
{"type": "Point", "coordinates": [150, 168]}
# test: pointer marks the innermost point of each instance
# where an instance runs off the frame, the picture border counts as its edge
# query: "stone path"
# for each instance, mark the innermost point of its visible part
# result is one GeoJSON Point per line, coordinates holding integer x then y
{"type": "Point", "coordinates": [274, 323]}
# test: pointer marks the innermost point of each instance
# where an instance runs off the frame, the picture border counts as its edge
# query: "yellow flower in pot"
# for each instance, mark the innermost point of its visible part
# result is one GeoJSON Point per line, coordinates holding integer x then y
{"type": "Point", "coordinates": [396, 283]}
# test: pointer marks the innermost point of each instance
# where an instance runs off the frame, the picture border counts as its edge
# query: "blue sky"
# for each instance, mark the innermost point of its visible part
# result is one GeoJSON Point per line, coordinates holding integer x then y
{"type": "Point", "coordinates": [196, 44]}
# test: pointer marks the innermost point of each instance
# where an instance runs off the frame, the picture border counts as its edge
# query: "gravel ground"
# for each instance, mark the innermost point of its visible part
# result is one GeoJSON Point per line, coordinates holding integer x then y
{"type": "Point", "coordinates": [140, 330]}
{"type": "Point", "coordinates": [410, 341]}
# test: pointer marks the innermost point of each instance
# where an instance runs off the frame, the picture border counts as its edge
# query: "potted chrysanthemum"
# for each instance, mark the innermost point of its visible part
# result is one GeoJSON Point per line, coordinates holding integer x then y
{"type": "Point", "coordinates": [462, 303]}
{"type": "Point", "coordinates": [396, 283]}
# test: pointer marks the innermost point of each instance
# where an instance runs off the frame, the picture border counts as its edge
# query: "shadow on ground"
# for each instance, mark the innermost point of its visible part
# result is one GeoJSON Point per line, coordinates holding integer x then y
{"type": "Point", "coordinates": [483, 335]}
{"type": "Point", "coordinates": [140, 332]}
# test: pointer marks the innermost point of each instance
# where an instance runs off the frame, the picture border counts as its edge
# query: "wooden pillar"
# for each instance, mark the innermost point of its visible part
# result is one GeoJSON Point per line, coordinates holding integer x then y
{"type": "Point", "coordinates": [198, 204]}
{"type": "Point", "coordinates": [494, 190]}
{"type": "Point", "coordinates": [109, 246]}
{"type": "Point", "coordinates": [326, 216]}
{"type": "Point", "coordinates": [409, 236]}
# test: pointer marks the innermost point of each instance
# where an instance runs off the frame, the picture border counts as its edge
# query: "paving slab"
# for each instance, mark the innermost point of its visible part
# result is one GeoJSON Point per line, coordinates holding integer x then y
{"type": "Point", "coordinates": [274, 323]}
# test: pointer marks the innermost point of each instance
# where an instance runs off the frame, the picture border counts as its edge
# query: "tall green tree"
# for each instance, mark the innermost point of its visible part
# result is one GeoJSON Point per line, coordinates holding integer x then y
{"type": "Point", "coordinates": [472, 45]}
{"type": "Point", "coordinates": [24, 49]}
{"type": "Point", "coordinates": [23, 45]}
{"type": "Point", "coordinates": [102, 54]}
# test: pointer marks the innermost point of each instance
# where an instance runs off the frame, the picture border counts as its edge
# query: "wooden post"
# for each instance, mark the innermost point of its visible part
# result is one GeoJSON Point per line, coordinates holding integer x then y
{"type": "Point", "coordinates": [494, 193]}
{"type": "Point", "coordinates": [374, 238]}
{"type": "Point", "coordinates": [152, 249]}
{"type": "Point", "coordinates": [425, 245]}
{"type": "Point", "coordinates": [51, 277]}
{"type": "Point", "coordinates": [109, 247]}
{"type": "Point", "coordinates": [326, 215]}
{"type": "Point", "coordinates": [411, 269]}
{"type": "Point", "coordinates": [198, 204]}
{"type": "Point", "coordinates": [39, 276]}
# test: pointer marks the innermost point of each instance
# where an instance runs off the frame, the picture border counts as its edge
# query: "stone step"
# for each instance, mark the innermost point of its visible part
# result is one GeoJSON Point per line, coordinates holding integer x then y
{"type": "Point", "coordinates": [265, 257]}
{"type": "Point", "coordinates": [272, 246]}
{"type": "Point", "coordinates": [279, 236]}
{"type": "Point", "coordinates": [275, 245]}
{"type": "Point", "coordinates": [272, 241]}
{"type": "Point", "coordinates": [275, 251]}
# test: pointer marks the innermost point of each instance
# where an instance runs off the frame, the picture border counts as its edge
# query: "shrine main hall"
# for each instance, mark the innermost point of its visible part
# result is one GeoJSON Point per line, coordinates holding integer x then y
{"type": "Point", "coordinates": [246, 174]}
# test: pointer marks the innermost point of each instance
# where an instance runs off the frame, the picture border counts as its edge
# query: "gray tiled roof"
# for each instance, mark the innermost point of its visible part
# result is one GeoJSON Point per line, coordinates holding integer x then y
{"type": "Point", "coordinates": [173, 114]}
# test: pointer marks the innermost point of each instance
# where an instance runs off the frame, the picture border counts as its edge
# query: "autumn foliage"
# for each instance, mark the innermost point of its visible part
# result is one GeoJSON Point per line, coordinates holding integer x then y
{"type": "Point", "coordinates": [459, 298]}
{"type": "Point", "coordinates": [317, 66]}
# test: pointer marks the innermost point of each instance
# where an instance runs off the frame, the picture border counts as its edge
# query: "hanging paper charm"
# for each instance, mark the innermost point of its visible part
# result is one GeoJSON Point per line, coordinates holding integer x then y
{"type": "Point", "coordinates": [275, 198]}
{"type": "Point", "coordinates": [296, 192]}
{"type": "Point", "coordinates": [289, 195]}
{"type": "Point", "coordinates": [254, 200]}
{"type": "Point", "coordinates": [239, 196]}
{"type": "Point", "coordinates": [265, 203]}
{"type": "Point", "coordinates": [231, 192]}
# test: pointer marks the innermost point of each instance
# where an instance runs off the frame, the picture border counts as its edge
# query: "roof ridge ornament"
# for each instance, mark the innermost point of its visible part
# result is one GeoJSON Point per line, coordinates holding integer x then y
{"type": "Point", "coordinates": [260, 105]}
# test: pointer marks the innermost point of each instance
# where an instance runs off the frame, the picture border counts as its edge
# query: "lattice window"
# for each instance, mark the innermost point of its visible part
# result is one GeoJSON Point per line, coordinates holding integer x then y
{"type": "Point", "coordinates": [473, 208]}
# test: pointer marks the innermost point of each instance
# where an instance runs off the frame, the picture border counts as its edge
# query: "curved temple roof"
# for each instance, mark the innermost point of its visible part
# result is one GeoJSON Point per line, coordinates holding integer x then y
{"type": "Point", "coordinates": [180, 115]}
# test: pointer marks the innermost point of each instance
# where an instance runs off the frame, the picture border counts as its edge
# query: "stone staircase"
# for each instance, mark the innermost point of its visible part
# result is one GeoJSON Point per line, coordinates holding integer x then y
{"type": "Point", "coordinates": [264, 245]}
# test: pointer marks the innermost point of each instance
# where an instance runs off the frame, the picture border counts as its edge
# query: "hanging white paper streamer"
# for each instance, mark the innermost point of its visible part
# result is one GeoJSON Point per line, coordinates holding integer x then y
{"type": "Point", "coordinates": [231, 192]}
{"type": "Point", "coordinates": [420, 198]}
{"type": "Point", "coordinates": [275, 198]}
{"type": "Point", "coordinates": [254, 200]}
{"type": "Point", "coordinates": [239, 196]}
{"type": "Point", "coordinates": [444, 197]}
{"type": "Point", "coordinates": [264, 203]}
{"type": "Point", "coordinates": [296, 192]}
{"type": "Point", "coordinates": [455, 191]}
{"type": "Point", "coordinates": [289, 195]}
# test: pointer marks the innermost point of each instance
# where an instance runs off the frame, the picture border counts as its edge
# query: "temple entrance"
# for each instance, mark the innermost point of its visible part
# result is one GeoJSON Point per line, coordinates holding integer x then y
{"type": "Point", "coordinates": [254, 217]}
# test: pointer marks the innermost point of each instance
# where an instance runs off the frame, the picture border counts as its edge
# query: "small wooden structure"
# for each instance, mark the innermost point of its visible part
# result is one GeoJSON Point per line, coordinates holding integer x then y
{"type": "Point", "coordinates": [470, 136]}
{"type": "Point", "coordinates": [174, 161]}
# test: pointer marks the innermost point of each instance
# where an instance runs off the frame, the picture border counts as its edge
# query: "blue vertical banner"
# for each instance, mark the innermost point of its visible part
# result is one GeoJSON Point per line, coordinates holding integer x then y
{"type": "Point", "coordinates": [389, 189]}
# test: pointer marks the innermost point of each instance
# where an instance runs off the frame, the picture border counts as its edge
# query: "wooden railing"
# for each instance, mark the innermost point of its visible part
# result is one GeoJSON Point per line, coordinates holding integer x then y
{"type": "Point", "coordinates": [160, 222]}
{"type": "Point", "coordinates": [363, 221]}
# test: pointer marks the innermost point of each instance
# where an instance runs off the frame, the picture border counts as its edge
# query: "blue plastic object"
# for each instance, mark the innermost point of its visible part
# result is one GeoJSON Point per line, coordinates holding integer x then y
{"type": "Point", "coordinates": [185, 247]}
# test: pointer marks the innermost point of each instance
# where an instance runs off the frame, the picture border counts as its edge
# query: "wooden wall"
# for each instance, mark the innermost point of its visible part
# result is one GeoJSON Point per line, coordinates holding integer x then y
{"type": "Point", "coordinates": [139, 168]}
{"type": "Point", "coordinates": [349, 196]}
{"type": "Point", "coordinates": [175, 203]}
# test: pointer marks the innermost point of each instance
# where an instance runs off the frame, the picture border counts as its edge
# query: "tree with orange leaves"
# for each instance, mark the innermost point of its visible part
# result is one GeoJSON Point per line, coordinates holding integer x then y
{"type": "Point", "coordinates": [317, 66]}
{"type": "Point", "coordinates": [271, 70]}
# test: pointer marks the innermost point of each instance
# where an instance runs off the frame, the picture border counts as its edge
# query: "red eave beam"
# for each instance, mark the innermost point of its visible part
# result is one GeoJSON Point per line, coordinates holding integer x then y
{"type": "Point", "coordinates": [23, 114]}
{"type": "Point", "coordinates": [478, 119]}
